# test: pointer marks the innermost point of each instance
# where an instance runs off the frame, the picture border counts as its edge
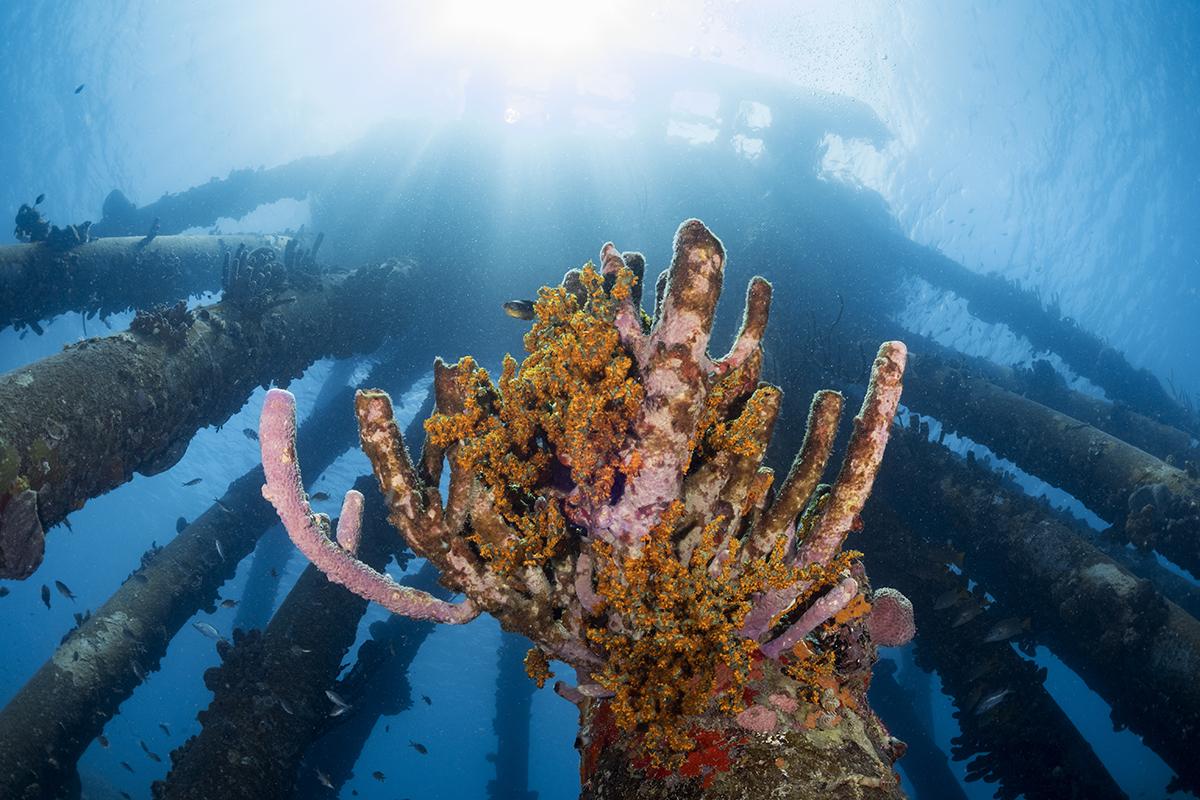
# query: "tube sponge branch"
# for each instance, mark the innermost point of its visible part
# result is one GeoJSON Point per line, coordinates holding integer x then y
{"type": "Point", "coordinates": [608, 499]}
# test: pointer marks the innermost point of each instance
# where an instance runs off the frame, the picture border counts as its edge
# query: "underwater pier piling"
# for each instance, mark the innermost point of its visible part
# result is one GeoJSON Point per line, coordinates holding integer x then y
{"type": "Point", "coordinates": [514, 698]}
{"type": "Point", "coordinates": [1153, 504]}
{"type": "Point", "coordinates": [1041, 383]}
{"type": "Point", "coordinates": [269, 701]}
{"type": "Point", "coordinates": [100, 664]}
{"type": "Point", "coordinates": [993, 299]}
{"type": "Point", "coordinates": [59, 711]}
{"type": "Point", "coordinates": [1134, 648]}
{"type": "Point", "coordinates": [235, 195]}
{"type": "Point", "coordinates": [105, 276]}
{"type": "Point", "coordinates": [1024, 743]}
{"type": "Point", "coordinates": [80, 423]}
{"type": "Point", "coordinates": [378, 688]}
{"type": "Point", "coordinates": [925, 764]}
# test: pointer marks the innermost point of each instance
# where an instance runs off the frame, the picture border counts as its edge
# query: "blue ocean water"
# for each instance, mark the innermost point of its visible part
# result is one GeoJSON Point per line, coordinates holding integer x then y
{"type": "Point", "coordinates": [1053, 146]}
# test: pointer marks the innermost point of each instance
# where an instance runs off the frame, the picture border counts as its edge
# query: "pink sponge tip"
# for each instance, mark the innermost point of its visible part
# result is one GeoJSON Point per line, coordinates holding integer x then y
{"type": "Point", "coordinates": [891, 618]}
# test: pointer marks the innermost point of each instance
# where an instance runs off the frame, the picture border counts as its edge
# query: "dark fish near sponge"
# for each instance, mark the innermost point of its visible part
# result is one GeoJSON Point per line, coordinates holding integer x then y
{"type": "Point", "coordinates": [165, 728]}
{"type": "Point", "coordinates": [3, 591]}
{"type": "Point", "coordinates": [46, 595]}
{"type": "Point", "coordinates": [125, 764]}
{"type": "Point", "coordinates": [79, 88]}
{"type": "Point", "coordinates": [39, 200]}
{"type": "Point", "coordinates": [64, 590]}
{"type": "Point", "coordinates": [320, 496]}
{"type": "Point", "coordinates": [420, 748]}
{"type": "Point", "coordinates": [1006, 629]}
{"type": "Point", "coordinates": [250, 434]}
{"type": "Point", "coordinates": [425, 697]}
{"type": "Point", "coordinates": [192, 482]}
{"type": "Point", "coordinates": [379, 776]}
{"type": "Point", "coordinates": [966, 615]}
{"type": "Point", "coordinates": [103, 740]}
{"type": "Point", "coordinates": [228, 603]}
{"type": "Point", "coordinates": [519, 309]}
{"type": "Point", "coordinates": [180, 524]}
{"type": "Point", "coordinates": [948, 599]}
{"type": "Point", "coordinates": [991, 701]}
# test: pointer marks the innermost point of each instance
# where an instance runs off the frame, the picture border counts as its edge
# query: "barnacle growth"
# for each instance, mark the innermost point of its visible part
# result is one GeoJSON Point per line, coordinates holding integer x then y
{"type": "Point", "coordinates": [608, 499]}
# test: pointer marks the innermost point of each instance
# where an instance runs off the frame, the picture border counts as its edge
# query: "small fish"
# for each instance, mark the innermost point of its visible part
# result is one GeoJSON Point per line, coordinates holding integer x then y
{"type": "Point", "coordinates": [79, 88]}
{"type": "Point", "coordinates": [991, 701]}
{"type": "Point", "coordinates": [222, 506]}
{"type": "Point", "coordinates": [138, 671]}
{"type": "Point", "coordinates": [1005, 629]}
{"type": "Point", "coordinates": [287, 707]}
{"type": "Point", "coordinates": [320, 496]}
{"type": "Point", "coordinates": [966, 615]}
{"type": "Point", "coordinates": [274, 572]}
{"type": "Point", "coordinates": [948, 599]}
{"type": "Point", "coordinates": [250, 434]}
{"type": "Point", "coordinates": [519, 309]}
{"type": "Point", "coordinates": [103, 740]}
{"type": "Point", "coordinates": [46, 595]}
{"type": "Point", "coordinates": [336, 699]}
{"type": "Point", "coordinates": [142, 742]}
{"type": "Point", "coordinates": [323, 779]}
{"type": "Point", "coordinates": [420, 748]}
{"type": "Point", "coordinates": [379, 776]}
{"type": "Point", "coordinates": [220, 550]}
{"type": "Point", "coordinates": [180, 524]}
{"type": "Point", "coordinates": [64, 590]}
{"type": "Point", "coordinates": [4, 591]}
{"type": "Point", "coordinates": [39, 200]}
{"type": "Point", "coordinates": [165, 728]}
{"type": "Point", "coordinates": [425, 697]}
{"type": "Point", "coordinates": [125, 764]}
{"type": "Point", "coordinates": [192, 482]}
{"type": "Point", "coordinates": [228, 603]}
{"type": "Point", "coordinates": [154, 757]}
{"type": "Point", "coordinates": [209, 631]}
{"type": "Point", "coordinates": [337, 712]}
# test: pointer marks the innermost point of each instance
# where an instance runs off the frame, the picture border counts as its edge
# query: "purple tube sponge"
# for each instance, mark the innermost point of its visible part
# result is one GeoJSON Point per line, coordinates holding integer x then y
{"type": "Point", "coordinates": [310, 532]}
{"type": "Point", "coordinates": [609, 499]}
